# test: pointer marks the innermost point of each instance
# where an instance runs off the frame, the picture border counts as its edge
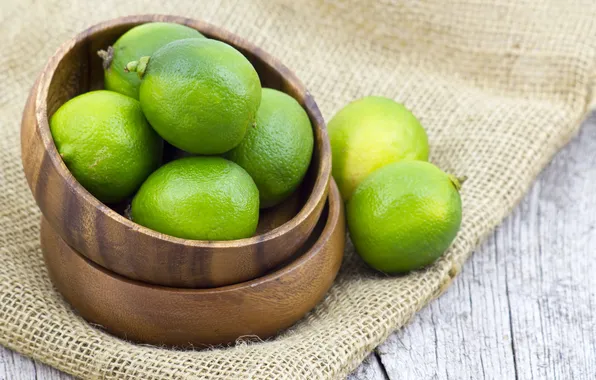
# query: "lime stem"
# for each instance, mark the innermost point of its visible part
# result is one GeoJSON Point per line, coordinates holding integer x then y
{"type": "Point", "coordinates": [458, 181]}
{"type": "Point", "coordinates": [138, 67]}
{"type": "Point", "coordinates": [106, 56]}
{"type": "Point", "coordinates": [131, 66]}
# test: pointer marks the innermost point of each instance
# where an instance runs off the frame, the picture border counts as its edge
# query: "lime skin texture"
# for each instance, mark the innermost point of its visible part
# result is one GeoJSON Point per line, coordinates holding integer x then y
{"type": "Point", "coordinates": [370, 133]}
{"type": "Point", "coordinates": [139, 41]}
{"type": "Point", "coordinates": [200, 95]}
{"type": "Point", "coordinates": [199, 198]}
{"type": "Point", "coordinates": [404, 216]}
{"type": "Point", "coordinates": [106, 143]}
{"type": "Point", "coordinates": [277, 150]}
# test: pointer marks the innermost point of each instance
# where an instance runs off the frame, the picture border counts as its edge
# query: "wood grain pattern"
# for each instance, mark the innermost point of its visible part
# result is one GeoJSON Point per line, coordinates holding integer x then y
{"type": "Point", "coordinates": [116, 243]}
{"type": "Point", "coordinates": [16, 367]}
{"type": "Point", "coordinates": [370, 369]}
{"type": "Point", "coordinates": [198, 317]}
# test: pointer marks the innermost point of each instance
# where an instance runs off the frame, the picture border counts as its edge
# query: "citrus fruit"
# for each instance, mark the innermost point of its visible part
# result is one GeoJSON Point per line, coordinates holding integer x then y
{"type": "Point", "coordinates": [106, 143]}
{"type": "Point", "coordinates": [404, 216]}
{"type": "Point", "coordinates": [277, 150]}
{"type": "Point", "coordinates": [200, 95]}
{"type": "Point", "coordinates": [369, 133]}
{"type": "Point", "coordinates": [139, 41]}
{"type": "Point", "coordinates": [201, 198]}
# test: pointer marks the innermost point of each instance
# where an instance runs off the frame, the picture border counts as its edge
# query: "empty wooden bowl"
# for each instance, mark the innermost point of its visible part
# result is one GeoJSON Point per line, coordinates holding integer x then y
{"type": "Point", "coordinates": [195, 317]}
{"type": "Point", "coordinates": [103, 235]}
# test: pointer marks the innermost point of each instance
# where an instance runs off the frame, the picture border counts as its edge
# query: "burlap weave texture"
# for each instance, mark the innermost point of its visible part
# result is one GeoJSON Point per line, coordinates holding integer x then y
{"type": "Point", "coordinates": [500, 86]}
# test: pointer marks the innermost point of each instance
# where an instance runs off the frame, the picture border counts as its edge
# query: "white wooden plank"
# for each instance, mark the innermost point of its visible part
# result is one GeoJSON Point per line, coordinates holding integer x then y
{"type": "Point", "coordinates": [370, 369]}
{"type": "Point", "coordinates": [463, 335]}
{"type": "Point", "coordinates": [45, 372]}
{"type": "Point", "coordinates": [523, 306]}
{"type": "Point", "coordinates": [551, 266]}
{"type": "Point", "coordinates": [17, 367]}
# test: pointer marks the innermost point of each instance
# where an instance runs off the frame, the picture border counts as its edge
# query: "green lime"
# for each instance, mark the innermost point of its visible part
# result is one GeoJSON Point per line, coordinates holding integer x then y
{"type": "Point", "coordinates": [277, 150]}
{"type": "Point", "coordinates": [106, 143]}
{"type": "Point", "coordinates": [201, 198]}
{"type": "Point", "coordinates": [139, 41]}
{"type": "Point", "coordinates": [200, 95]}
{"type": "Point", "coordinates": [404, 216]}
{"type": "Point", "coordinates": [370, 133]}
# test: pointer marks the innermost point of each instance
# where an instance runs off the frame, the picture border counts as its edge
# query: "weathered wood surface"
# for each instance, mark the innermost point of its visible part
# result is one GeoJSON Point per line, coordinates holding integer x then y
{"type": "Point", "coordinates": [522, 307]}
{"type": "Point", "coordinates": [17, 367]}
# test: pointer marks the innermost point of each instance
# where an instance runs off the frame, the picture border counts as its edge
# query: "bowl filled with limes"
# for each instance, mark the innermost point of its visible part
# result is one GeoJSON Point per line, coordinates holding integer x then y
{"type": "Point", "coordinates": [178, 166]}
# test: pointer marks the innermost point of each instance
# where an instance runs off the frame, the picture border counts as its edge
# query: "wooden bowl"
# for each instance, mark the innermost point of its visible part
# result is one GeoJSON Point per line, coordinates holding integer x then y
{"type": "Point", "coordinates": [103, 235]}
{"type": "Point", "coordinates": [193, 317]}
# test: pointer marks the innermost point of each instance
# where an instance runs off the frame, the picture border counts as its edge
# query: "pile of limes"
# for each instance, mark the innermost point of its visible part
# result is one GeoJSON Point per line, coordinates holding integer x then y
{"type": "Point", "coordinates": [249, 147]}
{"type": "Point", "coordinates": [402, 211]}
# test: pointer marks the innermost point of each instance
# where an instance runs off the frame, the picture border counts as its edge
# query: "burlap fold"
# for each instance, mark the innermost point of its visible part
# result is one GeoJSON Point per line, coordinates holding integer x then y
{"type": "Point", "coordinates": [499, 85]}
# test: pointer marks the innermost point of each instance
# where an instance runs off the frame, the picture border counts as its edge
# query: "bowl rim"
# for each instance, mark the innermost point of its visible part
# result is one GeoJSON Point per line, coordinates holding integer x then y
{"type": "Point", "coordinates": [335, 204]}
{"type": "Point", "coordinates": [322, 143]}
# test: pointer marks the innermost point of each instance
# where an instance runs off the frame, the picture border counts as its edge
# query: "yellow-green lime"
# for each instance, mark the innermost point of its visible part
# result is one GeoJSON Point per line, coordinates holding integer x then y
{"type": "Point", "coordinates": [200, 198]}
{"type": "Point", "coordinates": [139, 41]}
{"type": "Point", "coordinates": [200, 95]}
{"type": "Point", "coordinates": [369, 133]}
{"type": "Point", "coordinates": [106, 143]}
{"type": "Point", "coordinates": [404, 216]}
{"type": "Point", "coordinates": [276, 151]}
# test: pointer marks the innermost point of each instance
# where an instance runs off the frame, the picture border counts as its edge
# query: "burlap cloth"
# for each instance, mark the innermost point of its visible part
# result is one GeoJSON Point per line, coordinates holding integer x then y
{"type": "Point", "coordinates": [499, 85]}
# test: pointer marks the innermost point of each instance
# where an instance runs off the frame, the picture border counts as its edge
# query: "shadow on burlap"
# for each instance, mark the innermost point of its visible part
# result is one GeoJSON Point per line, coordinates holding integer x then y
{"type": "Point", "coordinates": [500, 88]}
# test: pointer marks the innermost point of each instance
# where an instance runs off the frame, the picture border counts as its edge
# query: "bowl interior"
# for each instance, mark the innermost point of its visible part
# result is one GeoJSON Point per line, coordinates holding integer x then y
{"type": "Point", "coordinates": [80, 71]}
